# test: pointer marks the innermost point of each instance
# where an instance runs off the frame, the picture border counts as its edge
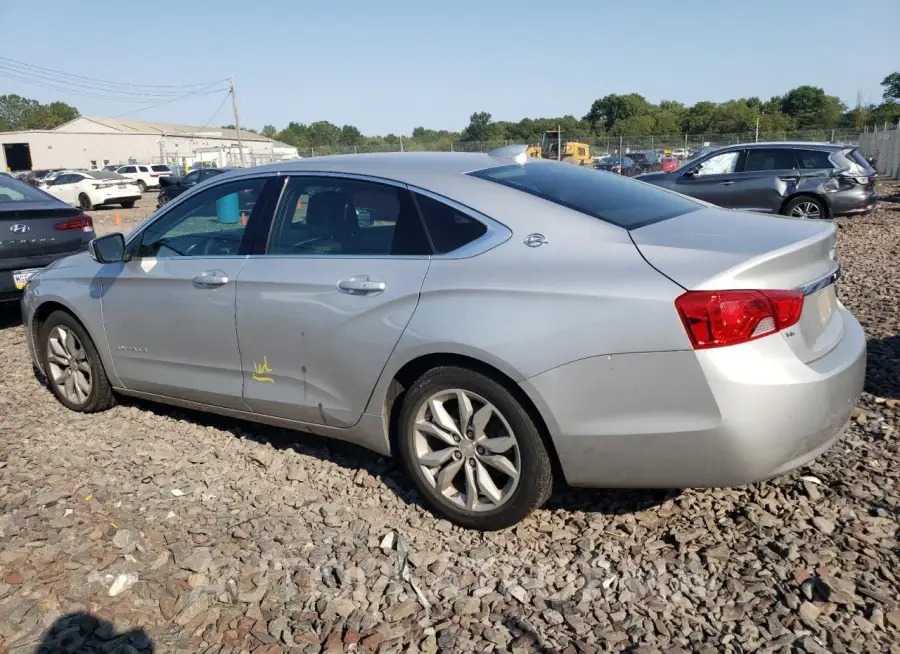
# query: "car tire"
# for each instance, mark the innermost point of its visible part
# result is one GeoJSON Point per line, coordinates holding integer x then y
{"type": "Point", "coordinates": [806, 206]}
{"type": "Point", "coordinates": [71, 364]}
{"type": "Point", "coordinates": [128, 204]}
{"type": "Point", "coordinates": [84, 202]}
{"type": "Point", "coordinates": [498, 448]}
{"type": "Point", "coordinates": [142, 186]}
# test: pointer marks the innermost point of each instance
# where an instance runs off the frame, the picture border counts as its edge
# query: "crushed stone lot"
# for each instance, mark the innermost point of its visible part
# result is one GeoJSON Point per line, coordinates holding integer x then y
{"type": "Point", "coordinates": [151, 527]}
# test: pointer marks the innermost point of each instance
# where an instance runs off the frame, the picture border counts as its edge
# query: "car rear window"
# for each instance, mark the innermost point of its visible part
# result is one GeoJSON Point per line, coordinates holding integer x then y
{"type": "Point", "coordinates": [159, 169]}
{"type": "Point", "coordinates": [857, 157]}
{"type": "Point", "coordinates": [12, 190]}
{"type": "Point", "coordinates": [612, 198]}
{"type": "Point", "coordinates": [814, 159]}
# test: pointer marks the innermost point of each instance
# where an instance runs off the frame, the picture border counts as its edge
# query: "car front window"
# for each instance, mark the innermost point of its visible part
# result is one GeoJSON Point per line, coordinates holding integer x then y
{"type": "Point", "coordinates": [721, 164]}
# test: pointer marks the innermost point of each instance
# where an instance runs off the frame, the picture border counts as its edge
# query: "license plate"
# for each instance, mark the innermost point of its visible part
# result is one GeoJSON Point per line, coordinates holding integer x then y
{"type": "Point", "coordinates": [21, 277]}
{"type": "Point", "coordinates": [122, 186]}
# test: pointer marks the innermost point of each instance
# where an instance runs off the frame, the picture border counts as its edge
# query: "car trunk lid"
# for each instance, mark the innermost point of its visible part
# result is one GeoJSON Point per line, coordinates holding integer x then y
{"type": "Point", "coordinates": [41, 228]}
{"type": "Point", "coordinates": [717, 249]}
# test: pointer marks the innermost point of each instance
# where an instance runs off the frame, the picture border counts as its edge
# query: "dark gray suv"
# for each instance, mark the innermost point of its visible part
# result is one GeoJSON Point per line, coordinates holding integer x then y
{"type": "Point", "coordinates": [803, 180]}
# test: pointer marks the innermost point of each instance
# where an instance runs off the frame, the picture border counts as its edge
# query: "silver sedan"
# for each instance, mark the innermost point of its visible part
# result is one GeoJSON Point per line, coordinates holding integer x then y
{"type": "Point", "coordinates": [497, 323]}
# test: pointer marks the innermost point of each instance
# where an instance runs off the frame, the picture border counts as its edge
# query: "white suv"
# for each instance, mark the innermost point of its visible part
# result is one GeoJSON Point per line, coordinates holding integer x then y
{"type": "Point", "coordinates": [146, 175]}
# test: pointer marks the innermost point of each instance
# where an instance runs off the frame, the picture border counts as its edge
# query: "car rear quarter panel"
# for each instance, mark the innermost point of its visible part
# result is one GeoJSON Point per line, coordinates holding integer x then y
{"type": "Point", "coordinates": [524, 310]}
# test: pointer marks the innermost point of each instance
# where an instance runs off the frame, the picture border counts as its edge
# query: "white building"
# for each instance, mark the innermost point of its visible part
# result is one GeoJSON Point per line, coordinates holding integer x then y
{"type": "Point", "coordinates": [95, 142]}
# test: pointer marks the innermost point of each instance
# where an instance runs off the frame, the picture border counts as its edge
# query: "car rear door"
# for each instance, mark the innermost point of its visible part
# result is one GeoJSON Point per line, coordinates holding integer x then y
{"type": "Point", "coordinates": [322, 305]}
{"type": "Point", "coordinates": [169, 311]}
{"type": "Point", "coordinates": [65, 187]}
{"type": "Point", "coordinates": [768, 177]}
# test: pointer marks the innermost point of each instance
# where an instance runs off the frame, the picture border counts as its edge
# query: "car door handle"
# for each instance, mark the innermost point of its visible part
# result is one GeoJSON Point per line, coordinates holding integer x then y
{"type": "Point", "coordinates": [789, 178]}
{"type": "Point", "coordinates": [361, 285]}
{"type": "Point", "coordinates": [727, 182]}
{"type": "Point", "coordinates": [210, 278]}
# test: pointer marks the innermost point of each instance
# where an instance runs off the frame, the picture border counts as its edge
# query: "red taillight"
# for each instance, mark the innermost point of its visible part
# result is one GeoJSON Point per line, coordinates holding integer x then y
{"type": "Point", "coordinates": [719, 318]}
{"type": "Point", "coordinates": [155, 174]}
{"type": "Point", "coordinates": [82, 222]}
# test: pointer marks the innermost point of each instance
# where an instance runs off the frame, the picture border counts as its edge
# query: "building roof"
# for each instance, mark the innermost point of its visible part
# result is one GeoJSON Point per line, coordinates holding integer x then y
{"type": "Point", "coordinates": [128, 126]}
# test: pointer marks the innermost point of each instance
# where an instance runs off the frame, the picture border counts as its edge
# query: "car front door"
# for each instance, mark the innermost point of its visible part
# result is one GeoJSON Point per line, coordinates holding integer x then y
{"type": "Point", "coordinates": [768, 176]}
{"type": "Point", "coordinates": [169, 310]}
{"type": "Point", "coordinates": [712, 179]}
{"type": "Point", "coordinates": [321, 308]}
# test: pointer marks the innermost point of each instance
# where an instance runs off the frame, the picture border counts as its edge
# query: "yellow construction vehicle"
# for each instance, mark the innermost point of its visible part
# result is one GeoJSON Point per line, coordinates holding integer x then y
{"type": "Point", "coordinates": [554, 145]}
{"type": "Point", "coordinates": [533, 151]}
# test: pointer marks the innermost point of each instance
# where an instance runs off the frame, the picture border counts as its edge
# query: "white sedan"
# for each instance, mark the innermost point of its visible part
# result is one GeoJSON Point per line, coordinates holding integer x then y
{"type": "Point", "coordinates": [88, 189]}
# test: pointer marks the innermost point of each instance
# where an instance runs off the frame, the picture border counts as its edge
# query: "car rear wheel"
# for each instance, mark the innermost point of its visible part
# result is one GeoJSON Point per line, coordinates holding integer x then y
{"type": "Point", "coordinates": [805, 207]}
{"type": "Point", "coordinates": [472, 450]}
{"type": "Point", "coordinates": [84, 202]}
{"type": "Point", "coordinates": [142, 186]}
{"type": "Point", "coordinates": [74, 371]}
{"type": "Point", "coordinates": [128, 204]}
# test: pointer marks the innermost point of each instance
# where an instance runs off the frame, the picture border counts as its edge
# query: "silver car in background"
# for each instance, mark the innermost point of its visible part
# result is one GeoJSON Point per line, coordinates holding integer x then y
{"type": "Point", "coordinates": [491, 321]}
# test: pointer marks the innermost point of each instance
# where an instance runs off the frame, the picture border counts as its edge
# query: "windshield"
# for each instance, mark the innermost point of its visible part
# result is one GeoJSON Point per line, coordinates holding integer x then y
{"type": "Point", "coordinates": [611, 198]}
{"type": "Point", "coordinates": [103, 174]}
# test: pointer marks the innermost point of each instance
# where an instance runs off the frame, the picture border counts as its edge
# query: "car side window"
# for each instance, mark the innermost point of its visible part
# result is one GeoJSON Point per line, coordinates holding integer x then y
{"type": "Point", "coordinates": [143, 169]}
{"type": "Point", "coordinates": [341, 217]}
{"type": "Point", "coordinates": [192, 177]}
{"type": "Point", "coordinates": [128, 169]}
{"type": "Point", "coordinates": [448, 228]}
{"type": "Point", "coordinates": [74, 179]}
{"type": "Point", "coordinates": [763, 159]}
{"type": "Point", "coordinates": [720, 164]}
{"type": "Point", "coordinates": [813, 160]}
{"type": "Point", "coordinates": [210, 224]}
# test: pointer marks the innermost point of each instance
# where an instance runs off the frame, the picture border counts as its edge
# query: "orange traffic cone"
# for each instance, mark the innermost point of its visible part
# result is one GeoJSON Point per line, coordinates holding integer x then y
{"type": "Point", "coordinates": [118, 219]}
{"type": "Point", "coordinates": [243, 218]}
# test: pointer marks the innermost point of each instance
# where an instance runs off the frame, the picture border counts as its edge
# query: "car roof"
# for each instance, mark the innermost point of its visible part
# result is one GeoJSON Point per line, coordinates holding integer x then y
{"type": "Point", "coordinates": [808, 145]}
{"type": "Point", "coordinates": [393, 165]}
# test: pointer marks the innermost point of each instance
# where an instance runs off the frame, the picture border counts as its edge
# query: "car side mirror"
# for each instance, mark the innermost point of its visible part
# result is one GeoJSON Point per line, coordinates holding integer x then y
{"type": "Point", "coordinates": [108, 249]}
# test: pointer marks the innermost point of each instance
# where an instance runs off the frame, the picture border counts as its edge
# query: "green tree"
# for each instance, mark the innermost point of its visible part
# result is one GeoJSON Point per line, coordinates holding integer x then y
{"type": "Point", "coordinates": [891, 84]}
{"type": "Point", "coordinates": [18, 113]}
{"type": "Point", "coordinates": [269, 131]}
{"type": "Point", "coordinates": [479, 128]}
{"type": "Point", "coordinates": [350, 135]}
{"type": "Point", "coordinates": [811, 108]}
{"type": "Point", "coordinates": [607, 110]}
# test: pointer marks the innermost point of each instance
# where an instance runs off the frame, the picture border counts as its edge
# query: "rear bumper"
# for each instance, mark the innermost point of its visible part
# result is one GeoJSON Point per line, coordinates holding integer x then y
{"type": "Point", "coordinates": [685, 419]}
{"type": "Point", "coordinates": [852, 201]}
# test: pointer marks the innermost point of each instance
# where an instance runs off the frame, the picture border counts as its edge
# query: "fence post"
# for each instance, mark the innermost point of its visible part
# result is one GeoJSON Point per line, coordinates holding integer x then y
{"type": "Point", "coordinates": [312, 151]}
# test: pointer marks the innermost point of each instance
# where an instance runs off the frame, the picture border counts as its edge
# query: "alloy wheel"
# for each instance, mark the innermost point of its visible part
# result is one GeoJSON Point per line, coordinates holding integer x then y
{"type": "Point", "coordinates": [806, 210]}
{"type": "Point", "coordinates": [466, 450]}
{"type": "Point", "coordinates": [70, 369]}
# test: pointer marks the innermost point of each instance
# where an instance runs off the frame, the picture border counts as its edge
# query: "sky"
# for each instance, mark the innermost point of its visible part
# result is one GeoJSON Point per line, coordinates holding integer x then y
{"type": "Point", "coordinates": [391, 65]}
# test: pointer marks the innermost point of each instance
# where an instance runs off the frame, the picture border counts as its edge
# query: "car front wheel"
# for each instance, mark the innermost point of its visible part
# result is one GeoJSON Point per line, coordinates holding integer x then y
{"type": "Point", "coordinates": [472, 450]}
{"type": "Point", "coordinates": [142, 186]}
{"type": "Point", "coordinates": [805, 207]}
{"type": "Point", "coordinates": [74, 371]}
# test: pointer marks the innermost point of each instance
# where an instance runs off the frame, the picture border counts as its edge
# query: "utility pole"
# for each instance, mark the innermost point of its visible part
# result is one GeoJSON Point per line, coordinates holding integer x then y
{"type": "Point", "coordinates": [558, 144]}
{"type": "Point", "coordinates": [237, 122]}
{"type": "Point", "coordinates": [756, 140]}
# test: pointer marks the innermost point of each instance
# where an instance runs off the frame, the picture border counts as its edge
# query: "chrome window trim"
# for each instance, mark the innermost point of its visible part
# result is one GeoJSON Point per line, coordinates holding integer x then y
{"type": "Point", "coordinates": [822, 282]}
{"type": "Point", "coordinates": [496, 233]}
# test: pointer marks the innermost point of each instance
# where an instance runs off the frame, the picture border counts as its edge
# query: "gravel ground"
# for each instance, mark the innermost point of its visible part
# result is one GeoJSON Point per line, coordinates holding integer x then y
{"type": "Point", "coordinates": [153, 525]}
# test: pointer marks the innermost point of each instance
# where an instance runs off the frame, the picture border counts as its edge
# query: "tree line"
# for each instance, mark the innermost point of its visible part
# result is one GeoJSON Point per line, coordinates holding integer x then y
{"type": "Point", "coordinates": [801, 108]}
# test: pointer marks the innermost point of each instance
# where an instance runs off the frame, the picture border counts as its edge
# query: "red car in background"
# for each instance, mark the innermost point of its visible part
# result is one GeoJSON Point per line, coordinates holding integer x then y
{"type": "Point", "coordinates": [669, 164]}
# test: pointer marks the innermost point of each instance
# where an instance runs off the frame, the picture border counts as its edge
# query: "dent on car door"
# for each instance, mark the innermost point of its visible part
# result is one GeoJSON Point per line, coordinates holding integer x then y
{"type": "Point", "coordinates": [769, 176]}
{"type": "Point", "coordinates": [321, 308]}
{"type": "Point", "coordinates": [169, 310]}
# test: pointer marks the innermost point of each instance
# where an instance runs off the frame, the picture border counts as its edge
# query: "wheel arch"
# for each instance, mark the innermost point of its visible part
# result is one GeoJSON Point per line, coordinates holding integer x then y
{"type": "Point", "coordinates": [47, 308]}
{"type": "Point", "coordinates": [806, 194]}
{"type": "Point", "coordinates": [409, 372]}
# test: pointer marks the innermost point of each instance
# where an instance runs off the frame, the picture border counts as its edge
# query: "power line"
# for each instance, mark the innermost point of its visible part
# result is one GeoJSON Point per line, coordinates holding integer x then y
{"type": "Point", "coordinates": [92, 87]}
{"type": "Point", "coordinates": [109, 82]}
{"type": "Point", "coordinates": [222, 104]}
{"type": "Point", "coordinates": [65, 89]}
{"type": "Point", "coordinates": [183, 97]}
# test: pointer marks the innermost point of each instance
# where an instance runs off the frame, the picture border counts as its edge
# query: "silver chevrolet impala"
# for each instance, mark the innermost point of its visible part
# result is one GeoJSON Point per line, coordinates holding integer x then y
{"type": "Point", "coordinates": [493, 321]}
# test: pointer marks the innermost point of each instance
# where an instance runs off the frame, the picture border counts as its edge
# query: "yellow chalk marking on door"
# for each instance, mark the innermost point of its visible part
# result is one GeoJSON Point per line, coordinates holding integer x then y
{"type": "Point", "coordinates": [260, 371]}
